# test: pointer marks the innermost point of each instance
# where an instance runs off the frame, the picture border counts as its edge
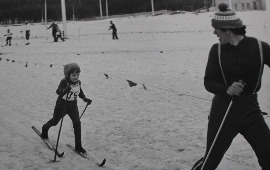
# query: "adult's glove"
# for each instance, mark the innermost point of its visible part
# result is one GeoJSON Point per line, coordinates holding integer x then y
{"type": "Point", "coordinates": [88, 101]}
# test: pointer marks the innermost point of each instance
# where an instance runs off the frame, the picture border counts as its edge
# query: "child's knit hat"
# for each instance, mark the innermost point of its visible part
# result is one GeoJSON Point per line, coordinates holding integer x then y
{"type": "Point", "coordinates": [69, 67]}
{"type": "Point", "coordinates": [226, 18]}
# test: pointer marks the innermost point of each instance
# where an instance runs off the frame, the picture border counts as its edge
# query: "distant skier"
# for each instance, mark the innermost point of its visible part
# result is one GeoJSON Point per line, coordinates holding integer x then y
{"type": "Point", "coordinates": [114, 31]}
{"type": "Point", "coordinates": [68, 91]}
{"type": "Point", "coordinates": [9, 37]}
{"type": "Point", "coordinates": [58, 34]}
{"type": "Point", "coordinates": [54, 29]}
{"type": "Point", "coordinates": [27, 33]}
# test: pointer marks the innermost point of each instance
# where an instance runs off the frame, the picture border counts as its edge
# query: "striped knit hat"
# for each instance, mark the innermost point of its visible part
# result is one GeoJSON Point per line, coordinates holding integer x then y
{"type": "Point", "coordinates": [70, 67]}
{"type": "Point", "coordinates": [226, 18]}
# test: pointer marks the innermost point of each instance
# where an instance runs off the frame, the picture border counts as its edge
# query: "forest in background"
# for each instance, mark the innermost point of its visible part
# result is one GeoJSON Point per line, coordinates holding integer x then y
{"type": "Point", "coordinates": [17, 11]}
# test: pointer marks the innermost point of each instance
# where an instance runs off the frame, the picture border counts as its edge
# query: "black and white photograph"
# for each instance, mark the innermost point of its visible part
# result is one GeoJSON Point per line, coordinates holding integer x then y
{"type": "Point", "coordinates": [135, 84]}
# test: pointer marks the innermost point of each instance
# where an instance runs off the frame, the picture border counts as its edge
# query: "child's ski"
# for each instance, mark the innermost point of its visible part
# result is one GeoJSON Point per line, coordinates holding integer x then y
{"type": "Point", "coordinates": [47, 142]}
{"type": "Point", "coordinates": [88, 157]}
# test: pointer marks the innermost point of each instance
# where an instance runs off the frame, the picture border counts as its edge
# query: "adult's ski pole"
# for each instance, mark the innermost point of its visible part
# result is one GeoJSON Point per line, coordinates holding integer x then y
{"type": "Point", "coordinates": [219, 129]}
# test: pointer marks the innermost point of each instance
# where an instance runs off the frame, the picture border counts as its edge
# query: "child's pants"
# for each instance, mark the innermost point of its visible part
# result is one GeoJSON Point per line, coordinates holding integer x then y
{"type": "Point", "coordinates": [73, 112]}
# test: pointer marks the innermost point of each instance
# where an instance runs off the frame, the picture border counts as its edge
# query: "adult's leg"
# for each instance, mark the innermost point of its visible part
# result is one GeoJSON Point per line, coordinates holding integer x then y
{"type": "Point", "coordinates": [220, 147]}
{"type": "Point", "coordinates": [61, 38]}
{"type": "Point", "coordinates": [228, 132]}
{"type": "Point", "coordinates": [27, 35]}
{"type": "Point", "coordinates": [223, 142]}
{"type": "Point", "coordinates": [257, 134]}
{"type": "Point", "coordinates": [114, 35]}
{"type": "Point", "coordinates": [54, 35]}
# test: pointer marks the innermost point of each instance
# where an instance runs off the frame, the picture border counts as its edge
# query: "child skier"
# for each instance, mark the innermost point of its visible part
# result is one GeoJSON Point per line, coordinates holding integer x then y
{"type": "Point", "coordinates": [9, 37]}
{"type": "Point", "coordinates": [53, 26]}
{"type": "Point", "coordinates": [68, 90]}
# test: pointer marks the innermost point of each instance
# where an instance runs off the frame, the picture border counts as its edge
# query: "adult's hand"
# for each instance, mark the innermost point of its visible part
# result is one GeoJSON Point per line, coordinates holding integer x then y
{"type": "Point", "coordinates": [236, 88]}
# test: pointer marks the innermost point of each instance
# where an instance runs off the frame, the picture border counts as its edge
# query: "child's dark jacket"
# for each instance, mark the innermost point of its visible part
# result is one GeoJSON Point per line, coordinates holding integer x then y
{"type": "Point", "coordinates": [75, 91]}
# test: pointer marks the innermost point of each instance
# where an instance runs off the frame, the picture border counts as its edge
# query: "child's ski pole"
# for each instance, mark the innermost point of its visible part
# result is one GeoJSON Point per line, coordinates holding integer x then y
{"type": "Point", "coordinates": [84, 110]}
{"type": "Point", "coordinates": [60, 129]}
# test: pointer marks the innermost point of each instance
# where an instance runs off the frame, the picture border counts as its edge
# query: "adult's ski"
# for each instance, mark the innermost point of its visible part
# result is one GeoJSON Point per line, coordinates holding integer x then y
{"type": "Point", "coordinates": [86, 156]}
{"type": "Point", "coordinates": [47, 142]}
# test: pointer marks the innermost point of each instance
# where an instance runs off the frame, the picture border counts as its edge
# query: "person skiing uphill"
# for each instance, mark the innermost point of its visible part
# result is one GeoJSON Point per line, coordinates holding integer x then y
{"type": "Point", "coordinates": [68, 91]}
{"type": "Point", "coordinates": [114, 31]}
{"type": "Point", "coordinates": [9, 37]}
{"type": "Point", "coordinates": [54, 29]}
{"type": "Point", "coordinates": [27, 33]}
{"type": "Point", "coordinates": [233, 74]}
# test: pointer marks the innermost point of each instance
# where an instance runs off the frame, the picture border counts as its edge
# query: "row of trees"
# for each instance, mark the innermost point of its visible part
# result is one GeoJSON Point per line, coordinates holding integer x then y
{"type": "Point", "coordinates": [16, 11]}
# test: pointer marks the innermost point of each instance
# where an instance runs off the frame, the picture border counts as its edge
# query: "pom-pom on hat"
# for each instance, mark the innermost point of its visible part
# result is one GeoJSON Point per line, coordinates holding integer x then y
{"type": "Point", "coordinates": [70, 67]}
{"type": "Point", "coordinates": [226, 18]}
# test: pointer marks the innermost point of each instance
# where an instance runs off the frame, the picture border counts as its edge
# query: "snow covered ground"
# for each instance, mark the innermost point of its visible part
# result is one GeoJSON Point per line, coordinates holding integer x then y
{"type": "Point", "coordinates": [159, 127]}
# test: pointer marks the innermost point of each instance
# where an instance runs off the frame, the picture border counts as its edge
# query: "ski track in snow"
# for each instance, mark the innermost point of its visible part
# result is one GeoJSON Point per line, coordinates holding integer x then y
{"type": "Point", "coordinates": [162, 127]}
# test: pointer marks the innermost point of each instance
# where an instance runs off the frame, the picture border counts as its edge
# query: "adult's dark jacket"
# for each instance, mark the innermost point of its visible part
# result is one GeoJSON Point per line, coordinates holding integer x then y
{"type": "Point", "coordinates": [241, 62]}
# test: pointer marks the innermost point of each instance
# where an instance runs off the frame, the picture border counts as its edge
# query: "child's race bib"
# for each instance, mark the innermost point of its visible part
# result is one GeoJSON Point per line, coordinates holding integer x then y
{"type": "Point", "coordinates": [74, 92]}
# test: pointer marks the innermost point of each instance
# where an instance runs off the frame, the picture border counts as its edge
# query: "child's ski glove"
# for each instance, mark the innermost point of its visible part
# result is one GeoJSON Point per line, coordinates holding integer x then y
{"type": "Point", "coordinates": [88, 101]}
